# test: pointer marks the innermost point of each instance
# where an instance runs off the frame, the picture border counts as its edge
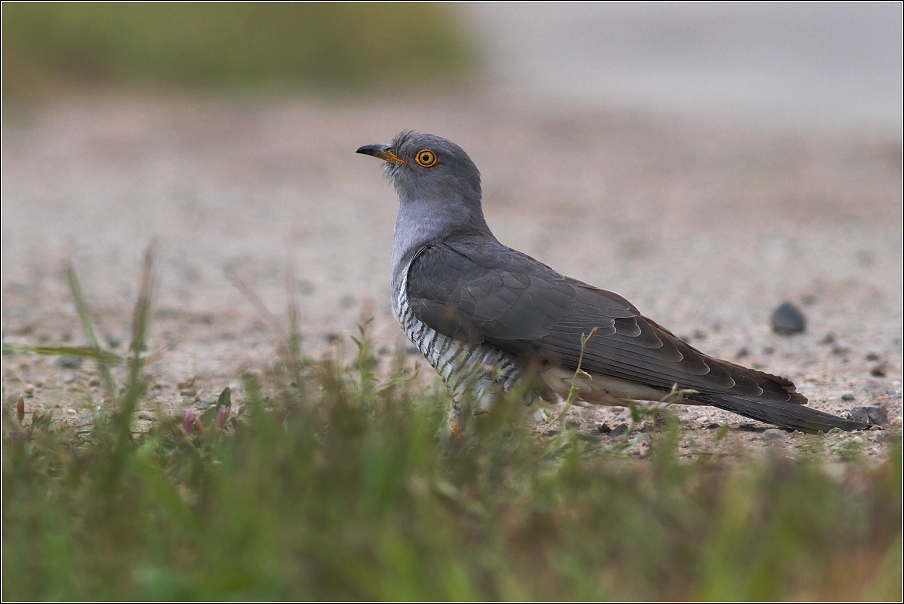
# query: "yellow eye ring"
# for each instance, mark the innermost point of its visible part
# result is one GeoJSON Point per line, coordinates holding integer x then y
{"type": "Point", "coordinates": [425, 158]}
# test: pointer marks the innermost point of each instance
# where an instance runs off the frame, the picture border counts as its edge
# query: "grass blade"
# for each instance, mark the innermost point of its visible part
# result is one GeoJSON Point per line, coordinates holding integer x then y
{"type": "Point", "coordinates": [81, 307]}
{"type": "Point", "coordinates": [85, 352]}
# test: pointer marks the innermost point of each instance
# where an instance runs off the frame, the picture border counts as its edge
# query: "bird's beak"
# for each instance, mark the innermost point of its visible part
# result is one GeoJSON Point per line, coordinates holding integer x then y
{"type": "Point", "coordinates": [383, 152]}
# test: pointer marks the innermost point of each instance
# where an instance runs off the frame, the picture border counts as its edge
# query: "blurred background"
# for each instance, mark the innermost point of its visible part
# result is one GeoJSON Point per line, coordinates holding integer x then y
{"type": "Point", "coordinates": [761, 140]}
{"type": "Point", "coordinates": [837, 63]}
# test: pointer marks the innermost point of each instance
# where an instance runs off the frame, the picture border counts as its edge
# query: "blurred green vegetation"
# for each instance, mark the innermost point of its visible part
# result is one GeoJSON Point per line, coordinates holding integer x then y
{"type": "Point", "coordinates": [329, 484]}
{"type": "Point", "coordinates": [223, 46]}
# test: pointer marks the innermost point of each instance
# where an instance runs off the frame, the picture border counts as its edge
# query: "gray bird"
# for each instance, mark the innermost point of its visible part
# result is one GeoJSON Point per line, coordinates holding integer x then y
{"type": "Point", "coordinates": [488, 317]}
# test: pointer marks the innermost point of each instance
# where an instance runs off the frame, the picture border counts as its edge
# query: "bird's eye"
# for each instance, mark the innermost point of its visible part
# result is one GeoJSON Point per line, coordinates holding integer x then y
{"type": "Point", "coordinates": [425, 158]}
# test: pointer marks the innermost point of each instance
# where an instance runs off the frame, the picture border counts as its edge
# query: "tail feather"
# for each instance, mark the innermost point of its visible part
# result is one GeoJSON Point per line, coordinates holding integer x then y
{"type": "Point", "coordinates": [783, 414]}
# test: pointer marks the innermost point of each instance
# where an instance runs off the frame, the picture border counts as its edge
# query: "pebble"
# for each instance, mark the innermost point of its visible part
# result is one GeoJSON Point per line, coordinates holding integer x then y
{"type": "Point", "coordinates": [773, 434]}
{"type": "Point", "coordinates": [619, 430]}
{"type": "Point", "coordinates": [603, 429]}
{"type": "Point", "coordinates": [69, 362]}
{"type": "Point", "coordinates": [787, 319]}
{"type": "Point", "coordinates": [29, 389]}
{"type": "Point", "coordinates": [847, 396]}
{"type": "Point", "coordinates": [69, 379]}
{"type": "Point", "coordinates": [877, 371]}
{"type": "Point", "coordinates": [871, 414]}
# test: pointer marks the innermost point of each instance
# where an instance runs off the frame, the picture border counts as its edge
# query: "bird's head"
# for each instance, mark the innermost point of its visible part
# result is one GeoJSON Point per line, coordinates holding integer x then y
{"type": "Point", "coordinates": [429, 169]}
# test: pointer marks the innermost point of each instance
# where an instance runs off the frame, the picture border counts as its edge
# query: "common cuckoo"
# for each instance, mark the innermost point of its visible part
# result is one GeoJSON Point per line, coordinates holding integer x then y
{"type": "Point", "coordinates": [488, 317]}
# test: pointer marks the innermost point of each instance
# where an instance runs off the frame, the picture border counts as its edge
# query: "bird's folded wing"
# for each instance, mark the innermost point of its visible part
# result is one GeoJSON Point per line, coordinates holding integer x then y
{"type": "Point", "coordinates": [477, 290]}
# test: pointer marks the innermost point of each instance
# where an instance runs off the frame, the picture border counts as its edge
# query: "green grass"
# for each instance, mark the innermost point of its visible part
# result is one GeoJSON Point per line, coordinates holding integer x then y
{"type": "Point", "coordinates": [329, 483]}
{"type": "Point", "coordinates": [228, 46]}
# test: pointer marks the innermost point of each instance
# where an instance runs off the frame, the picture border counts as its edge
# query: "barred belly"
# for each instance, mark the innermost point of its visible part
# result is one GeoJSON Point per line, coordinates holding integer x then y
{"type": "Point", "coordinates": [479, 373]}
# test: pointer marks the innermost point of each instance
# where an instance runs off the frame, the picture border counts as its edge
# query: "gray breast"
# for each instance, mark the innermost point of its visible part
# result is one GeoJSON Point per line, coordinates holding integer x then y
{"type": "Point", "coordinates": [480, 373]}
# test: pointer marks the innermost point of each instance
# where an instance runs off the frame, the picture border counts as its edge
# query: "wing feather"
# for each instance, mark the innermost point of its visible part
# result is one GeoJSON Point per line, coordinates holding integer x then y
{"type": "Point", "coordinates": [477, 290]}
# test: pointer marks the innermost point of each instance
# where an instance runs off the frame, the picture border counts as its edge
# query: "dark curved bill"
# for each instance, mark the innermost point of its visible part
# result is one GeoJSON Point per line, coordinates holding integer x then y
{"type": "Point", "coordinates": [383, 152]}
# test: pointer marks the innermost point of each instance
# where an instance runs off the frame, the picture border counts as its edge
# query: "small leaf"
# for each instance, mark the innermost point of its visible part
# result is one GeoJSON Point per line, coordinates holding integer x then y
{"type": "Point", "coordinates": [209, 415]}
{"type": "Point", "coordinates": [636, 413]}
{"type": "Point", "coordinates": [722, 432]}
{"type": "Point", "coordinates": [225, 399]}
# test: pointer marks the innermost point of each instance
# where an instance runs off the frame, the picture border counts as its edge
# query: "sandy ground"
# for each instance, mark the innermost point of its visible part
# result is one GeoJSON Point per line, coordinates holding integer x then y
{"type": "Point", "coordinates": [705, 226]}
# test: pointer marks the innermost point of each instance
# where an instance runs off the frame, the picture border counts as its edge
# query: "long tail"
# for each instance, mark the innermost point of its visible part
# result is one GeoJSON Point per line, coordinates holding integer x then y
{"type": "Point", "coordinates": [783, 414]}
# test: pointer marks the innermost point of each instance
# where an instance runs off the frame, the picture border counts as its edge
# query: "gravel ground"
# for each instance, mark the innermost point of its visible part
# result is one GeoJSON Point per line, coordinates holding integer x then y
{"type": "Point", "coordinates": [706, 227]}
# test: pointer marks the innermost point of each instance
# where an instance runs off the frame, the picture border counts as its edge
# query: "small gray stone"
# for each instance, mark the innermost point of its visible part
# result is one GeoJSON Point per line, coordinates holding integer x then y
{"type": "Point", "coordinates": [869, 414]}
{"type": "Point", "coordinates": [69, 362]}
{"type": "Point", "coordinates": [69, 379]}
{"type": "Point", "coordinates": [828, 339]}
{"type": "Point", "coordinates": [847, 396]}
{"type": "Point", "coordinates": [619, 430]}
{"type": "Point", "coordinates": [787, 319]}
{"type": "Point", "coordinates": [773, 434]}
{"type": "Point", "coordinates": [858, 414]}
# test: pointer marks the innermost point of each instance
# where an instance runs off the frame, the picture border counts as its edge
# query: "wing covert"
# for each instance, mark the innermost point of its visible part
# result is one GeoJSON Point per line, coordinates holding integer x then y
{"type": "Point", "coordinates": [479, 291]}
